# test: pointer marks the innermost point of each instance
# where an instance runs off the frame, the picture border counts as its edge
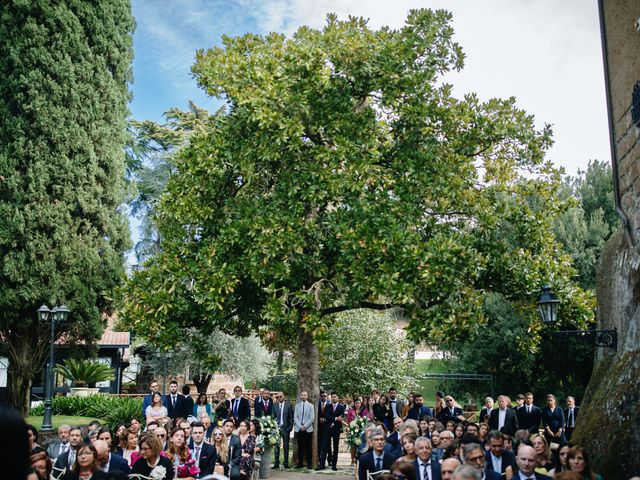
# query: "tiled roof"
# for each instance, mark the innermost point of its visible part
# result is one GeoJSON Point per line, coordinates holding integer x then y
{"type": "Point", "coordinates": [120, 339]}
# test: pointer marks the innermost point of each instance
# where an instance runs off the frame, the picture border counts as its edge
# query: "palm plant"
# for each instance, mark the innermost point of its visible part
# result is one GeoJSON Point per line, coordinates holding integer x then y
{"type": "Point", "coordinates": [85, 372]}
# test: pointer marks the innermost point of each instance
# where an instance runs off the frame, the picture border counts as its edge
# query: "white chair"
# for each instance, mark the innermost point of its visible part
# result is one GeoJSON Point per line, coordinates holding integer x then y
{"type": "Point", "coordinates": [375, 475]}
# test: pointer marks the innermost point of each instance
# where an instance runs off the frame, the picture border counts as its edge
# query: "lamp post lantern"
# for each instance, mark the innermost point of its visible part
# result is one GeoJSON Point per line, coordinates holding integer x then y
{"type": "Point", "coordinates": [57, 315]}
{"type": "Point", "coordinates": [548, 305]}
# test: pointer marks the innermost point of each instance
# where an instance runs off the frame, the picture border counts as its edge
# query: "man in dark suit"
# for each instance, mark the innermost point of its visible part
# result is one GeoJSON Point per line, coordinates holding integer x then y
{"type": "Point", "coordinates": [418, 410]}
{"type": "Point", "coordinates": [497, 459]}
{"type": "Point", "coordinates": [473, 455]}
{"type": "Point", "coordinates": [334, 416]}
{"type": "Point", "coordinates": [527, 461]}
{"type": "Point", "coordinates": [570, 417]}
{"type": "Point", "coordinates": [283, 413]}
{"type": "Point", "coordinates": [451, 412]}
{"type": "Point", "coordinates": [239, 406]}
{"type": "Point", "coordinates": [187, 402]}
{"type": "Point", "coordinates": [503, 418]}
{"type": "Point", "coordinates": [529, 416]}
{"type": "Point", "coordinates": [221, 404]}
{"type": "Point", "coordinates": [264, 408]}
{"type": "Point", "coordinates": [203, 453]}
{"type": "Point", "coordinates": [235, 450]}
{"type": "Point", "coordinates": [376, 458]}
{"type": "Point", "coordinates": [426, 468]}
{"type": "Point", "coordinates": [395, 403]}
{"type": "Point", "coordinates": [394, 440]}
{"type": "Point", "coordinates": [146, 401]}
{"type": "Point", "coordinates": [174, 401]}
{"type": "Point", "coordinates": [67, 459]}
{"type": "Point", "coordinates": [61, 445]}
{"type": "Point", "coordinates": [486, 410]}
{"type": "Point", "coordinates": [110, 462]}
{"type": "Point", "coordinates": [323, 431]}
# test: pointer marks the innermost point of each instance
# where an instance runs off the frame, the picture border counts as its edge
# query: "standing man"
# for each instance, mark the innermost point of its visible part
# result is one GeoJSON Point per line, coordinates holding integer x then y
{"type": "Point", "coordinates": [234, 445]}
{"type": "Point", "coordinates": [335, 416]}
{"type": "Point", "coordinates": [376, 458]}
{"type": "Point", "coordinates": [303, 418]}
{"type": "Point", "coordinates": [426, 469]}
{"type": "Point", "coordinates": [187, 402]}
{"type": "Point", "coordinates": [239, 406]}
{"type": "Point", "coordinates": [486, 410]}
{"type": "Point", "coordinates": [570, 415]}
{"type": "Point", "coordinates": [418, 410]}
{"type": "Point", "coordinates": [396, 404]}
{"type": "Point", "coordinates": [283, 413]}
{"type": "Point", "coordinates": [529, 416]}
{"type": "Point", "coordinates": [203, 453]}
{"type": "Point", "coordinates": [451, 412]}
{"type": "Point", "coordinates": [502, 418]}
{"type": "Point", "coordinates": [473, 455]}
{"type": "Point", "coordinates": [264, 408]}
{"type": "Point", "coordinates": [174, 401]}
{"type": "Point", "coordinates": [146, 401]}
{"type": "Point", "coordinates": [323, 431]}
{"type": "Point", "coordinates": [61, 445]}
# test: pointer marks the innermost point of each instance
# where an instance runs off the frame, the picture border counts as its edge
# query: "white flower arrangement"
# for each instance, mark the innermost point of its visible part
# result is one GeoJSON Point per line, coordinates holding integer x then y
{"type": "Point", "coordinates": [270, 432]}
{"type": "Point", "coordinates": [355, 429]}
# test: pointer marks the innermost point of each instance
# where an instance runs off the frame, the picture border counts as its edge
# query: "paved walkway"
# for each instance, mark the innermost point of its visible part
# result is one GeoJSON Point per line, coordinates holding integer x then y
{"type": "Point", "coordinates": [345, 471]}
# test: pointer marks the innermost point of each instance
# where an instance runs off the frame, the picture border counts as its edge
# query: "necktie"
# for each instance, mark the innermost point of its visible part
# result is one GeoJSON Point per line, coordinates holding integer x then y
{"type": "Point", "coordinates": [235, 407]}
{"type": "Point", "coordinates": [64, 448]}
{"type": "Point", "coordinates": [571, 417]}
{"type": "Point", "coordinates": [425, 471]}
{"type": "Point", "coordinates": [173, 401]}
{"type": "Point", "coordinates": [281, 414]}
{"type": "Point", "coordinates": [378, 464]}
{"type": "Point", "coordinates": [324, 405]}
{"type": "Point", "coordinates": [302, 412]}
{"type": "Point", "coordinates": [72, 458]}
{"type": "Point", "coordinates": [197, 453]}
{"type": "Point", "coordinates": [265, 406]}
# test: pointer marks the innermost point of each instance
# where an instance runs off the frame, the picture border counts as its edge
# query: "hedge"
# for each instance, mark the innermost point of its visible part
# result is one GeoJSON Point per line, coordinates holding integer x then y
{"type": "Point", "coordinates": [109, 409]}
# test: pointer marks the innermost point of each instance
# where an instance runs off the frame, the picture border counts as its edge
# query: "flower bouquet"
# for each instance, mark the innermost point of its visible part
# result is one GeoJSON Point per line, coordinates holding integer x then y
{"type": "Point", "coordinates": [355, 430]}
{"type": "Point", "coordinates": [188, 469]}
{"type": "Point", "coordinates": [270, 432]}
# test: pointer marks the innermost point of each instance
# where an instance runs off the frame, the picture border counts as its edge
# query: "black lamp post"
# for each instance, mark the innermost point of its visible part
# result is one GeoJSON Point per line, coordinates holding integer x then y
{"type": "Point", "coordinates": [57, 315]}
{"type": "Point", "coordinates": [548, 305]}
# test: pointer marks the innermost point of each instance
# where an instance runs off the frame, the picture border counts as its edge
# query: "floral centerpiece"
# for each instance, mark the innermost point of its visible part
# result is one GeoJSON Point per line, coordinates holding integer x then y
{"type": "Point", "coordinates": [355, 430]}
{"type": "Point", "coordinates": [269, 432]}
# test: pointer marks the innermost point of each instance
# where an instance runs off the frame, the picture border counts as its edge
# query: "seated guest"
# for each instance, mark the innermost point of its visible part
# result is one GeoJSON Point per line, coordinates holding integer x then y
{"type": "Point", "coordinates": [130, 442]}
{"type": "Point", "coordinates": [32, 435]}
{"type": "Point", "coordinates": [560, 461]}
{"type": "Point", "coordinates": [150, 459]}
{"type": "Point", "coordinates": [426, 468]}
{"type": "Point", "coordinates": [497, 459]}
{"type": "Point", "coordinates": [41, 463]}
{"type": "Point", "coordinates": [219, 441]}
{"type": "Point", "coordinates": [376, 459]}
{"type": "Point", "coordinates": [543, 453]}
{"type": "Point", "coordinates": [473, 454]}
{"type": "Point", "coordinates": [409, 447]}
{"type": "Point", "coordinates": [86, 466]}
{"type": "Point", "coordinates": [418, 410]}
{"type": "Point", "coordinates": [403, 469]}
{"type": "Point", "coordinates": [110, 462]}
{"type": "Point", "coordinates": [578, 461]}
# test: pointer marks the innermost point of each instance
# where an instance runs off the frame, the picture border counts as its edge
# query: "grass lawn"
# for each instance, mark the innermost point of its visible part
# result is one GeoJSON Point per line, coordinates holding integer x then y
{"type": "Point", "coordinates": [58, 420]}
{"type": "Point", "coordinates": [428, 388]}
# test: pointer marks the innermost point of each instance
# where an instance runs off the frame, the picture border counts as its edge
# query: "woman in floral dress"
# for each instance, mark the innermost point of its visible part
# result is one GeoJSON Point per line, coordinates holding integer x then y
{"type": "Point", "coordinates": [248, 442]}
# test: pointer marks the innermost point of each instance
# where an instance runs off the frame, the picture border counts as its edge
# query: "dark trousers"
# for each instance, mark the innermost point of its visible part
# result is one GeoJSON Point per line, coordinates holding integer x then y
{"type": "Point", "coordinates": [568, 431]}
{"type": "Point", "coordinates": [304, 448]}
{"type": "Point", "coordinates": [333, 440]}
{"type": "Point", "coordinates": [324, 446]}
{"type": "Point", "coordinates": [285, 447]}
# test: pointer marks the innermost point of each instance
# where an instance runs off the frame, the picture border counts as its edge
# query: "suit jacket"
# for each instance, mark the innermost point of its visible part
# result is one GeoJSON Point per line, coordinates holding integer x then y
{"type": "Point", "coordinates": [529, 421]}
{"type": "Point", "coordinates": [393, 440]}
{"type": "Point", "coordinates": [63, 461]}
{"type": "Point", "coordinates": [208, 458]}
{"type": "Point", "coordinates": [399, 406]}
{"type": "Point", "coordinates": [510, 421]}
{"type": "Point", "coordinates": [287, 415]}
{"type": "Point", "coordinates": [258, 409]}
{"type": "Point", "coordinates": [576, 410]}
{"type": "Point", "coordinates": [484, 412]}
{"type": "Point", "coordinates": [235, 454]}
{"type": "Point", "coordinates": [118, 464]}
{"type": "Point", "coordinates": [367, 463]}
{"type": "Point", "coordinates": [435, 469]}
{"type": "Point", "coordinates": [491, 475]}
{"type": "Point", "coordinates": [330, 415]}
{"type": "Point", "coordinates": [187, 406]}
{"type": "Point", "coordinates": [507, 459]}
{"type": "Point", "coordinates": [445, 415]}
{"type": "Point", "coordinates": [174, 412]}
{"type": "Point", "coordinates": [146, 401]}
{"type": "Point", "coordinates": [244, 410]}
{"type": "Point", "coordinates": [417, 414]}
{"type": "Point", "coordinates": [307, 420]}
{"type": "Point", "coordinates": [53, 450]}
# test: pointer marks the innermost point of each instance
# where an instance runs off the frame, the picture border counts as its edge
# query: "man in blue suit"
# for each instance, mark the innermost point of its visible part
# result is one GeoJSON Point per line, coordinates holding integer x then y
{"type": "Point", "coordinates": [394, 439]}
{"type": "Point", "coordinates": [451, 412]}
{"type": "Point", "coordinates": [474, 456]}
{"type": "Point", "coordinates": [376, 458]}
{"type": "Point", "coordinates": [418, 410]}
{"type": "Point", "coordinates": [203, 453]}
{"type": "Point", "coordinates": [426, 469]}
{"type": "Point", "coordinates": [110, 462]}
{"type": "Point", "coordinates": [334, 415]}
{"type": "Point", "coordinates": [497, 459]}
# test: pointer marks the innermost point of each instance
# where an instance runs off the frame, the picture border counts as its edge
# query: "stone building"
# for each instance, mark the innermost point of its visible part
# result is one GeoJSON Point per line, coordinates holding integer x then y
{"type": "Point", "coordinates": [609, 426]}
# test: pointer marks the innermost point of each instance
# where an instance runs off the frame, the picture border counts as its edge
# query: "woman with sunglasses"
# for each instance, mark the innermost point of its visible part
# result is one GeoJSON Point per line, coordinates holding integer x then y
{"type": "Point", "coordinates": [219, 440]}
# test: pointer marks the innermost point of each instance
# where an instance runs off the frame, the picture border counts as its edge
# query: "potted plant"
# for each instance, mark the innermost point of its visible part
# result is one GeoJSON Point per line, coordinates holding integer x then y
{"type": "Point", "coordinates": [84, 374]}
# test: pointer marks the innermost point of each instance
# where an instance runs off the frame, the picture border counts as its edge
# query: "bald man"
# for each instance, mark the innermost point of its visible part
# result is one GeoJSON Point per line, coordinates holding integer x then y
{"type": "Point", "coordinates": [448, 467]}
{"type": "Point", "coordinates": [110, 462]}
{"type": "Point", "coordinates": [527, 461]}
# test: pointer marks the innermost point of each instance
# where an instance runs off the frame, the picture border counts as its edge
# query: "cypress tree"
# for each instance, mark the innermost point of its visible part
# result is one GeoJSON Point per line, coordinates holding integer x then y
{"type": "Point", "coordinates": [64, 87]}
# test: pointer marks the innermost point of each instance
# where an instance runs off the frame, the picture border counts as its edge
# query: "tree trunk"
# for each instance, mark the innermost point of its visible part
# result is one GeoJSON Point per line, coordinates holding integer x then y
{"type": "Point", "coordinates": [202, 381]}
{"type": "Point", "coordinates": [280, 362]}
{"type": "Point", "coordinates": [308, 379]}
{"type": "Point", "coordinates": [25, 359]}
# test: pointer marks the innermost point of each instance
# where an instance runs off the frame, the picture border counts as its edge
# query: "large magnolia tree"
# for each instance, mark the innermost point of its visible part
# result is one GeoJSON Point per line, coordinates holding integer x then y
{"type": "Point", "coordinates": [344, 175]}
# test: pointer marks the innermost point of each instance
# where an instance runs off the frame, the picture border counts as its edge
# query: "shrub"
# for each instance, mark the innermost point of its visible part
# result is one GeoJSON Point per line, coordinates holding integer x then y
{"type": "Point", "coordinates": [85, 372]}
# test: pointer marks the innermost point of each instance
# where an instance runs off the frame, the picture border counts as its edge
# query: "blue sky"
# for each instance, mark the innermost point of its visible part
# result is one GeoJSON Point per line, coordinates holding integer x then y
{"type": "Point", "coordinates": [546, 53]}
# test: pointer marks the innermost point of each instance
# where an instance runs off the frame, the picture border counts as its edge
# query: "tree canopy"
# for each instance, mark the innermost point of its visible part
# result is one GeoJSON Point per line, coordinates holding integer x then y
{"type": "Point", "coordinates": [65, 69]}
{"type": "Point", "coordinates": [344, 175]}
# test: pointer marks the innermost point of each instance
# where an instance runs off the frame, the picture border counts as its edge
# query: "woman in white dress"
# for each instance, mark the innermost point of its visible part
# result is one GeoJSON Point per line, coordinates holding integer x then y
{"type": "Point", "coordinates": [156, 409]}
